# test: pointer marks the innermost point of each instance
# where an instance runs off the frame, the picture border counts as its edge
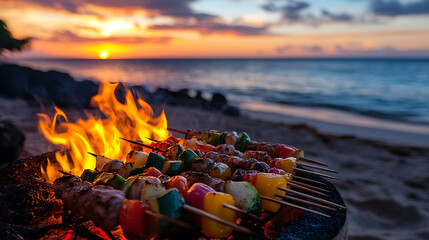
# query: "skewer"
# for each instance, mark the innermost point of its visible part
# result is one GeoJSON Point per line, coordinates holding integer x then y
{"type": "Point", "coordinates": [302, 158]}
{"type": "Point", "coordinates": [175, 130]}
{"type": "Point", "coordinates": [315, 167]}
{"type": "Point", "coordinates": [92, 154]}
{"type": "Point", "coordinates": [239, 210]}
{"type": "Point", "coordinates": [312, 197]}
{"type": "Point", "coordinates": [306, 189]}
{"type": "Point", "coordinates": [312, 161]}
{"type": "Point", "coordinates": [219, 220]}
{"type": "Point", "coordinates": [43, 182]}
{"type": "Point", "coordinates": [309, 186]}
{"type": "Point", "coordinates": [231, 207]}
{"type": "Point", "coordinates": [142, 144]}
{"type": "Point", "coordinates": [304, 201]}
{"type": "Point", "coordinates": [307, 179]}
{"type": "Point", "coordinates": [153, 140]}
{"type": "Point", "coordinates": [153, 214]}
{"type": "Point", "coordinates": [314, 173]}
{"type": "Point", "coordinates": [293, 205]}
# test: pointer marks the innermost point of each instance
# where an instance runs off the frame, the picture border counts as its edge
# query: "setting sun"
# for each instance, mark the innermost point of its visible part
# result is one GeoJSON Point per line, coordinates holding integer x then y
{"type": "Point", "coordinates": [103, 55]}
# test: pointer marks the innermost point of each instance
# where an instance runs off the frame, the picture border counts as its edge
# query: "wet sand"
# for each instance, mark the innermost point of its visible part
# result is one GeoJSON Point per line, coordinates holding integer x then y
{"type": "Point", "coordinates": [384, 184]}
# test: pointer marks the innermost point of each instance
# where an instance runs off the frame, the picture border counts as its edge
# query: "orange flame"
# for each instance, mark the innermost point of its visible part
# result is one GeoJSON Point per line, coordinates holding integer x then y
{"type": "Point", "coordinates": [131, 120]}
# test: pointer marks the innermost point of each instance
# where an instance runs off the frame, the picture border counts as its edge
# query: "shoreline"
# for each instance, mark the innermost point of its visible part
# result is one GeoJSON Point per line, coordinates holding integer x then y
{"type": "Point", "coordinates": [340, 123]}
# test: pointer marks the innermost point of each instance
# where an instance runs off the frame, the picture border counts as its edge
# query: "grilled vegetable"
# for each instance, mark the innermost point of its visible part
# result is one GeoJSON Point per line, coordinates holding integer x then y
{"type": "Point", "coordinates": [173, 168]}
{"type": "Point", "coordinates": [286, 164]}
{"type": "Point", "coordinates": [220, 170]}
{"type": "Point", "coordinates": [178, 182]}
{"type": "Point", "coordinates": [211, 138]}
{"type": "Point", "coordinates": [155, 160]}
{"type": "Point", "coordinates": [100, 161]}
{"type": "Point", "coordinates": [188, 157]}
{"type": "Point", "coordinates": [133, 218]}
{"type": "Point", "coordinates": [266, 184]}
{"type": "Point", "coordinates": [242, 141]}
{"type": "Point", "coordinates": [170, 204]}
{"type": "Point", "coordinates": [109, 179]}
{"type": "Point", "coordinates": [137, 158]}
{"type": "Point", "coordinates": [174, 152]}
{"type": "Point", "coordinates": [89, 175]}
{"type": "Point", "coordinates": [213, 204]}
{"type": "Point", "coordinates": [245, 196]}
{"type": "Point", "coordinates": [196, 193]}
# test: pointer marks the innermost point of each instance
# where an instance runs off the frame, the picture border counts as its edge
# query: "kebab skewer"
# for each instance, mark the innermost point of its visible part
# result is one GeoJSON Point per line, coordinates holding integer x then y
{"type": "Point", "coordinates": [223, 162]}
{"type": "Point", "coordinates": [218, 184]}
{"type": "Point", "coordinates": [276, 150]}
{"type": "Point", "coordinates": [108, 208]}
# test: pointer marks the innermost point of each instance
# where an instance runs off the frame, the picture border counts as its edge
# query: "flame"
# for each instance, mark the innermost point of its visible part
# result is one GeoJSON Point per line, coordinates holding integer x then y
{"type": "Point", "coordinates": [132, 119]}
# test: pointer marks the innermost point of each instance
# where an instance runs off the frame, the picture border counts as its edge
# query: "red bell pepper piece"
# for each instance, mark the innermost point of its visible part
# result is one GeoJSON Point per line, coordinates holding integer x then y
{"type": "Point", "coordinates": [286, 151]}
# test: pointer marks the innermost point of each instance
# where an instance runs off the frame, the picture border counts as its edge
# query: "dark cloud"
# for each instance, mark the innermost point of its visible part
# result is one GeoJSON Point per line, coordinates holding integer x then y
{"type": "Point", "coordinates": [67, 36]}
{"type": "Point", "coordinates": [210, 27]}
{"type": "Point", "coordinates": [294, 11]}
{"type": "Point", "coordinates": [382, 52]}
{"type": "Point", "coordinates": [396, 8]}
{"type": "Point", "coordinates": [313, 49]}
{"type": "Point", "coordinates": [342, 17]}
{"type": "Point", "coordinates": [172, 8]}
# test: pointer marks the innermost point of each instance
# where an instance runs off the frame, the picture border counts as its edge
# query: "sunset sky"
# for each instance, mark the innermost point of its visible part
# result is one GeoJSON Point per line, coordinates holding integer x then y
{"type": "Point", "coordinates": [219, 28]}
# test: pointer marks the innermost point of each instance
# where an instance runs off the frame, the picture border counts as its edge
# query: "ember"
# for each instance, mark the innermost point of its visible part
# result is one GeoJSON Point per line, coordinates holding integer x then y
{"type": "Point", "coordinates": [132, 119]}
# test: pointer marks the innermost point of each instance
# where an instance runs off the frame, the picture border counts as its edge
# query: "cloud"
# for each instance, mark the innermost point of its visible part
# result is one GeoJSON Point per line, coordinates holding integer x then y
{"type": "Point", "coordinates": [68, 36]}
{"type": "Point", "coordinates": [313, 49]}
{"type": "Point", "coordinates": [342, 17]}
{"type": "Point", "coordinates": [171, 8]}
{"type": "Point", "coordinates": [209, 27]}
{"type": "Point", "coordinates": [396, 8]}
{"type": "Point", "coordinates": [386, 51]}
{"type": "Point", "coordinates": [295, 11]}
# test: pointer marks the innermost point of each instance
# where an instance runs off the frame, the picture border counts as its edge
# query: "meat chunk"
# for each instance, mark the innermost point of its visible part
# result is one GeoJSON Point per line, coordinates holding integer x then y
{"type": "Point", "coordinates": [112, 166]}
{"type": "Point", "coordinates": [260, 167]}
{"type": "Point", "coordinates": [202, 164]}
{"type": "Point", "coordinates": [258, 155]}
{"type": "Point", "coordinates": [235, 163]}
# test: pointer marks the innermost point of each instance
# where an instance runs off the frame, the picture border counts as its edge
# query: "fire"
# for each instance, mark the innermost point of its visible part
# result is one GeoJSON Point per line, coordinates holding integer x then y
{"type": "Point", "coordinates": [132, 119]}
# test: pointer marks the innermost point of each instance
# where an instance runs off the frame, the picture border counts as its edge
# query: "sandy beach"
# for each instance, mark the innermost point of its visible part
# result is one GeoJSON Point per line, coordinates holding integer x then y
{"type": "Point", "coordinates": [383, 183]}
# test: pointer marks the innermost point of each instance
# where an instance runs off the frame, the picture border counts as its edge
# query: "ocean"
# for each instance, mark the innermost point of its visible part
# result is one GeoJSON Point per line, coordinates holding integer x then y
{"type": "Point", "coordinates": [393, 89]}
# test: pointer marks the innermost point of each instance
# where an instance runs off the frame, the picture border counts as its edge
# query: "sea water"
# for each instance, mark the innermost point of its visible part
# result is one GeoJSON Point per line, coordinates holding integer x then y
{"type": "Point", "coordinates": [394, 89]}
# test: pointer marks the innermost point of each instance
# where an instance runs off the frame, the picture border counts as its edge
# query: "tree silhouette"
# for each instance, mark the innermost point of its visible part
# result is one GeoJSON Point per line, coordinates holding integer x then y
{"type": "Point", "coordinates": [8, 42]}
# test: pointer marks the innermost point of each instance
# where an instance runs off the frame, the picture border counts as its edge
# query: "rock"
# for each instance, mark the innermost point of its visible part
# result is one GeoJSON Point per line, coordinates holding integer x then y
{"type": "Point", "coordinates": [11, 142]}
{"type": "Point", "coordinates": [218, 101]}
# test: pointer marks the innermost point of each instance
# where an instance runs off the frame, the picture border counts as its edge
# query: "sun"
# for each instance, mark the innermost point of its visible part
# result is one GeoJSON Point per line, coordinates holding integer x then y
{"type": "Point", "coordinates": [103, 54]}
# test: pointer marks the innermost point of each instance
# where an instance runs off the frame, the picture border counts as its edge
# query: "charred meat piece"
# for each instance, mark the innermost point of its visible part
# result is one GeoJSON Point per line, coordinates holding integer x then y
{"type": "Point", "coordinates": [238, 175]}
{"type": "Point", "coordinates": [196, 177]}
{"type": "Point", "coordinates": [192, 133]}
{"type": "Point", "coordinates": [258, 155]}
{"type": "Point", "coordinates": [112, 166]}
{"type": "Point", "coordinates": [202, 164]}
{"type": "Point", "coordinates": [236, 162]}
{"type": "Point", "coordinates": [228, 149]}
{"type": "Point", "coordinates": [271, 149]}
{"type": "Point", "coordinates": [260, 167]}
{"type": "Point", "coordinates": [212, 155]}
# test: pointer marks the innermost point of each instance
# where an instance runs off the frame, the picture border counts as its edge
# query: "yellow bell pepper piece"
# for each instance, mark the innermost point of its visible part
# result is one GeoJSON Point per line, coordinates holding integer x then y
{"type": "Point", "coordinates": [287, 164]}
{"type": "Point", "coordinates": [220, 170]}
{"type": "Point", "coordinates": [267, 184]}
{"type": "Point", "coordinates": [213, 204]}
